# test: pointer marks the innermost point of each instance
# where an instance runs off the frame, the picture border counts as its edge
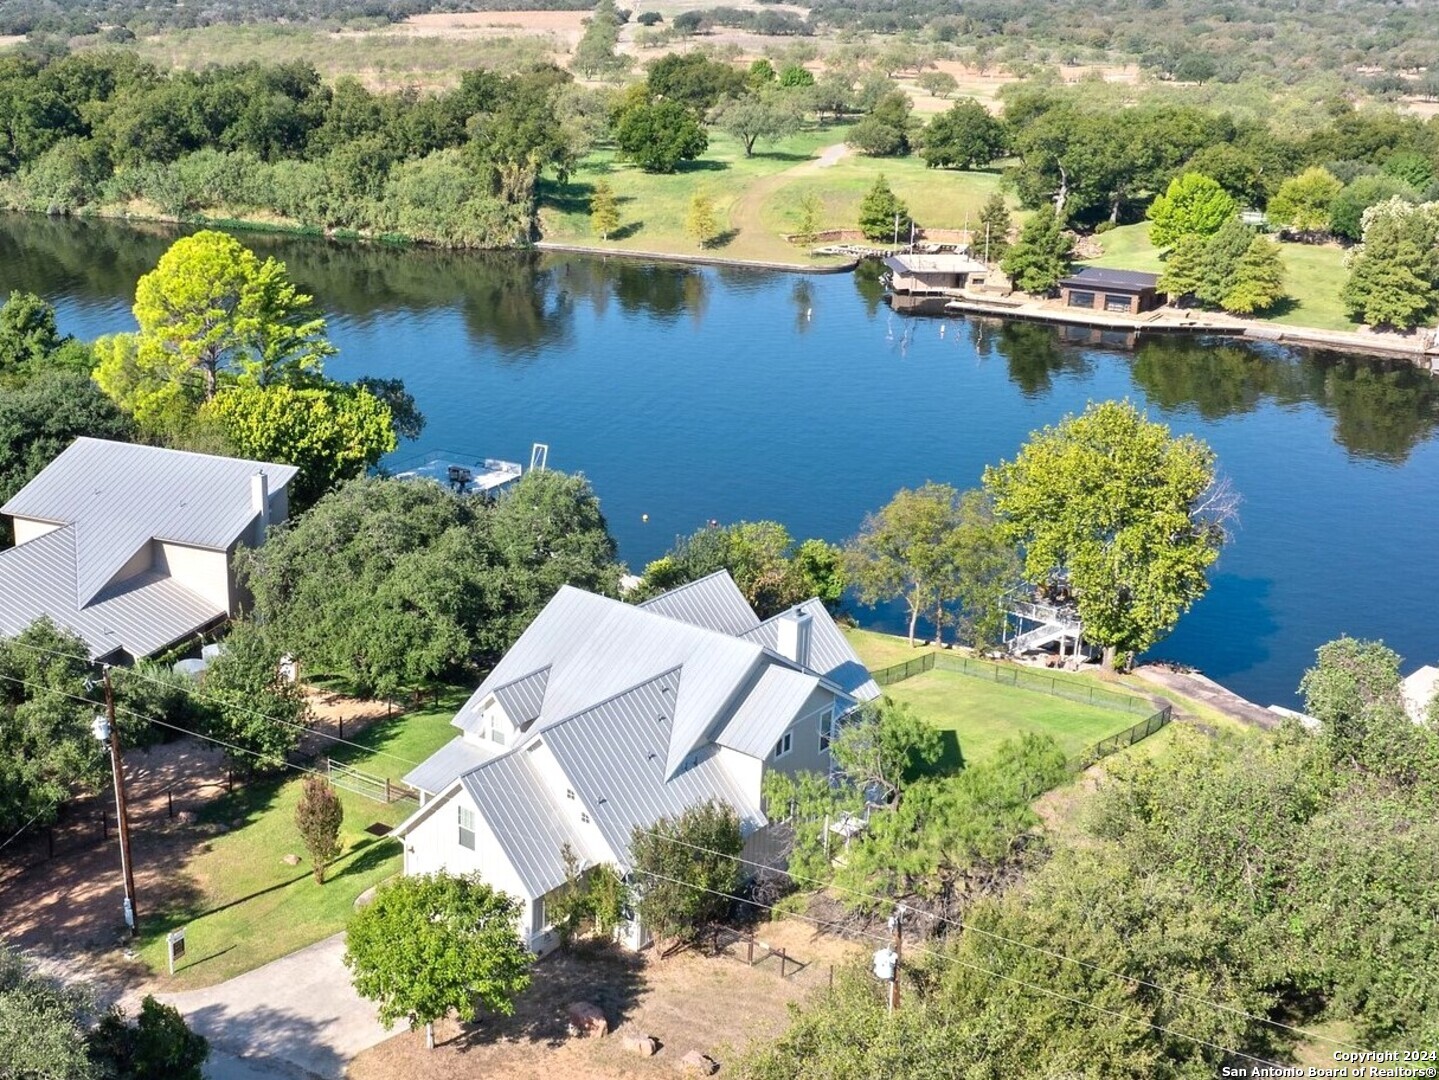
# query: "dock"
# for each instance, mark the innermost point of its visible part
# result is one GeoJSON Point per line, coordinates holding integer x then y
{"type": "Point", "coordinates": [468, 476]}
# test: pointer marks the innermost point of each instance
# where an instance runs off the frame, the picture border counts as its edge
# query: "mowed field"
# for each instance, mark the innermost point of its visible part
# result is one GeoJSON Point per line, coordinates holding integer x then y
{"type": "Point", "coordinates": [756, 199]}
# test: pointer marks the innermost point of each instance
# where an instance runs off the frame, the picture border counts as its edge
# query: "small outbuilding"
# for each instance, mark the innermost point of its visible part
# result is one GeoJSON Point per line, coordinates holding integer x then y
{"type": "Point", "coordinates": [940, 274]}
{"type": "Point", "coordinates": [1115, 292]}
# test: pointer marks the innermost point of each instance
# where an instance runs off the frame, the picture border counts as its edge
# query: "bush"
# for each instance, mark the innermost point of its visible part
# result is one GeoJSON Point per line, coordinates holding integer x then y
{"type": "Point", "coordinates": [649, 18]}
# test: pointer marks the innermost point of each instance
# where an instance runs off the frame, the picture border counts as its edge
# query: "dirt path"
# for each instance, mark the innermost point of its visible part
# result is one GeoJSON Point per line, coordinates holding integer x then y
{"type": "Point", "coordinates": [744, 214]}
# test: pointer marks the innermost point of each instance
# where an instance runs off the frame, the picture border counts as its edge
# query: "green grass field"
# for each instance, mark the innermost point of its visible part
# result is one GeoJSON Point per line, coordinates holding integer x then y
{"type": "Point", "coordinates": [1314, 275]}
{"type": "Point", "coordinates": [756, 199]}
{"type": "Point", "coordinates": [983, 715]}
{"type": "Point", "coordinates": [244, 906]}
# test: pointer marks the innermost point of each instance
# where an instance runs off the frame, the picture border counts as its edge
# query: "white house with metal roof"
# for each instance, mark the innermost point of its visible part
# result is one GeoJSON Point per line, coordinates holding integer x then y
{"type": "Point", "coordinates": [605, 716]}
{"type": "Point", "coordinates": [130, 546]}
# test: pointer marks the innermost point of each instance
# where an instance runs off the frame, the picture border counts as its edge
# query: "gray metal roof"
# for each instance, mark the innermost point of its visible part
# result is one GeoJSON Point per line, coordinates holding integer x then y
{"type": "Point", "coordinates": [830, 654]}
{"type": "Point", "coordinates": [938, 263]}
{"type": "Point", "coordinates": [712, 603]}
{"type": "Point", "coordinates": [596, 648]}
{"type": "Point", "coordinates": [523, 698]}
{"type": "Point", "coordinates": [1100, 277]}
{"type": "Point", "coordinates": [119, 496]}
{"type": "Point", "coordinates": [770, 706]}
{"type": "Point", "coordinates": [530, 826]}
{"type": "Point", "coordinates": [142, 614]}
{"type": "Point", "coordinates": [615, 755]}
{"type": "Point", "coordinates": [447, 764]}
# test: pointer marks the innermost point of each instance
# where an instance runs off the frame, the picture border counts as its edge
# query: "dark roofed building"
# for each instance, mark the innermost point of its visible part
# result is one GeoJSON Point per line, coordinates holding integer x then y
{"type": "Point", "coordinates": [1117, 292]}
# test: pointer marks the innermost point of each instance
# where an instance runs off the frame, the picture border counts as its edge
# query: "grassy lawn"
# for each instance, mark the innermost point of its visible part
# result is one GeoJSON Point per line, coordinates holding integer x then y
{"type": "Point", "coordinates": [1314, 275]}
{"type": "Point", "coordinates": [756, 199]}
{"type": "Point", "coordinates": [982, 715]}
{"type": "Point", "coordinates": [246, 906]}
{"type": "Point", "coordinates": [881, 650]}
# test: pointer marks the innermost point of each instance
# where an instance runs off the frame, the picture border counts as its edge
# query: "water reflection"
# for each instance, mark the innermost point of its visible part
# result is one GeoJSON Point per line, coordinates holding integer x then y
{"type": "Point", "coordinates": [1033, 354]}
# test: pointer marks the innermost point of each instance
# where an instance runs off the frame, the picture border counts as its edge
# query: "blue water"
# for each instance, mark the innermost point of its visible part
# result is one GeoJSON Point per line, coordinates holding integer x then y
{"type": "Point", "coordinates": [689, 395]}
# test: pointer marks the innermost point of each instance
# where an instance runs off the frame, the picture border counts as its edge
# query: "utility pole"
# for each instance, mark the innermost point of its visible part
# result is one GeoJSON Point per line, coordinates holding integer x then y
{"type": "Point", "coordinates": [106, 728]}
{"type": "Point", "coordinates": [896, 925]}
{"type": "Point", "coordinates": [986, 243]}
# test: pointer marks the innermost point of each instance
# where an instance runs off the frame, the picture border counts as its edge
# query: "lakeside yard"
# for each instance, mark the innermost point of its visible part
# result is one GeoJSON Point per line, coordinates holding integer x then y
{"type": "Point", "coordinates": [756, 199]}
{"type": "Point", "coordinates": [1314, 275]}
{"type": "Point", "coordinates": [244, 905]}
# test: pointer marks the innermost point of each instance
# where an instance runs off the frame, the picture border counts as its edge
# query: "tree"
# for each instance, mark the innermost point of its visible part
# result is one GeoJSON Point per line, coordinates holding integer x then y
{"type": "Point", "coordinates": [939, 83]}
{"type": "Point", "coordinates": [658, 135]}
{"type": "Point", "coordinates": [1192, 205]}
{"type": "Point", "coordinates": [595, 898]}
{"type": "Point", "coordinates": [881, 213]}
{"type": "Point", "coordinates": [43, 1023]}
{"type": "Point", "coordinates": [595, 53]}
{"type": "Point", "coordinates": [694, 80]}
{"type": "Point", "coordinates": [993, 231]}
{"type": "Point", "coordinates": [761, 74]}
{"type": "Point", "coordinates": [212, 305]}
{"type": "Point", "coordinates": [318, 816]}
{"type": "Point", "coordinates": [1305, 202]}
{"type": "Point", "coordinates": [964, 137]}
{"type": "Point", "coordinates": [604, 210]}
{"type": "Point", "coordinates": [795, 75]}
{"type": "Point", "coordinates": [1346, 214]}
{"type": "Point", "coordinates": [902, 551]}
{"type": "Point", "coordinates": [1258, 282]}
{"type": "Point", "coordinates": [754, 116]}
{"type": "Point", "coordinates": [405, 416]}
{"type": "Point", "coordinates": [1129, 515]}
{"type": "Point", "coordinates": [433, 944]}
{"type": "Point", "coordinates": [701, 222]}
{"type": "Point", "coordinates": [1394, 275]}
{"type": "Point", "coordinates": [159, 1043]}
{"type": "Point", "coordinates": [809, 218]}
{"type": "Point", "coordinates": [984, 572]}
{"type": "Point", "coordinates": [686, 868]}
{"type": "Point", "coordinates": [884, 745]}
{"type": "Point", "coordinates": [332, 432]}
{"type": "Point", "coordinates": [27, 333]}
{"type": "Point", "coordinates": [884, 131]}
{"type": "Point", "coordinates": [254, 709]}
{"type": "Point", "coordinates": [1040, 257]}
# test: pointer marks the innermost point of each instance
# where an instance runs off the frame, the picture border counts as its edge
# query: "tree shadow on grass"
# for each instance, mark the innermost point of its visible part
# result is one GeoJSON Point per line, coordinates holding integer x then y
{"type": "Point", "coordinates": [702, 165]}
{"type": "Point", "coordinates": [365, 856]}
{"type": "Point", "coordinates": [724, 239]}
{"type": "Point", "coordinates": [602, 973]}
{"type": "Point", "coordinates": [628, 229]}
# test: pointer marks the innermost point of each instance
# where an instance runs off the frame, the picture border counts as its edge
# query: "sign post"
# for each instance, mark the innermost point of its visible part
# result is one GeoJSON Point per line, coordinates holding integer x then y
{"type": "Point", "coordinates": [175, 939]}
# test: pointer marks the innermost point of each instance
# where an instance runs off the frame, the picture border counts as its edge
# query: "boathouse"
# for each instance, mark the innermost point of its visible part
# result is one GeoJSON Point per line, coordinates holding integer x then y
{"type": "Point", "coordinates": [944, 273]}
{"type": "Point", "coordinates": [1117, 292]}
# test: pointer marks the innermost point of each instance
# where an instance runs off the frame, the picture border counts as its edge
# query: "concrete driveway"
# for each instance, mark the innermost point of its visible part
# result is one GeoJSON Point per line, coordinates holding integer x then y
{"type": "Point", "coordinates": [298, 1016]}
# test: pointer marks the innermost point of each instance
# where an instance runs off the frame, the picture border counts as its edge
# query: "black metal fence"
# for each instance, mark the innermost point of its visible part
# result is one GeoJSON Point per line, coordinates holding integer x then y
{"type": "Point", "coordinates": [1041, 682]}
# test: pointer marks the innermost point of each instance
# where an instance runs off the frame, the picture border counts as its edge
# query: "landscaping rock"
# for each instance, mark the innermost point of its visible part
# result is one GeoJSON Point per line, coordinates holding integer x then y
{"type": "Point", "coordinates": [587, 1020]}
{"type": "Point", "coordinates": [291, 860]}
{"type": "Point", "coordinates": [643, 1045]}
{"type": "Point", "coordinates": [366, 898]}
{"type": "Point", "coordinates": [185, 817]}
{"type": "Point", "coordinates": [702, 1064]}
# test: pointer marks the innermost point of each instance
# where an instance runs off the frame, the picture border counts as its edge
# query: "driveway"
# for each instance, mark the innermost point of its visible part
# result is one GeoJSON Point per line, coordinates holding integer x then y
{"type": "Point", "coordinates": [298, 1016]}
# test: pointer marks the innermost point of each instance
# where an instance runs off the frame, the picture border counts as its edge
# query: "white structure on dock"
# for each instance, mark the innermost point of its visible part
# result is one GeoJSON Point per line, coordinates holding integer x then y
{"type": "Point", "coordinates": [1035, 626]}
{"type": "Point", "coordinates": [468, 475]}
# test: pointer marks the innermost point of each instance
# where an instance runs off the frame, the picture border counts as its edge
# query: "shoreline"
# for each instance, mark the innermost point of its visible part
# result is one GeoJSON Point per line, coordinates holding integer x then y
{"type": "Point", "coordinates": [701, 260]}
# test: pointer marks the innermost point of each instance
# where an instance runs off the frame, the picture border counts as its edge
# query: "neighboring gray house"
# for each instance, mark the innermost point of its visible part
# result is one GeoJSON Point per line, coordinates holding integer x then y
{"type": "Point", "coordinates": [607, 715]}
{"type": "Point", "coordinates": [130, 546]}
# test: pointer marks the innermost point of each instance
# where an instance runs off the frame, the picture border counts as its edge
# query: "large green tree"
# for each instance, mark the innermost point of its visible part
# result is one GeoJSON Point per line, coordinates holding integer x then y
{"type": "Point", "coordinates": [966, 136]}
{"type": "Point", "coordinates": [882, 214]}
{"type": "Point", "coordinates": [252, 708]}
{"type": "Point", "coordinates": [158, 1043]}
{"type": "Point", "coordinates": [1129, 514]}
{"type": "Point", "coordinates": [1040, 257]}
{"type": "Point", "coordinates": [432, 944]}
{"type": "Point", "coordinates": [1192, 205]}
{"type": "Point", "coordinates": [1394, 275]}
{"type": "Point", "coordinates": [1304, 202]}
{"type": "Point", "coordinates": [765, 115]}
{"type": "Point", "coordinates": [1235, 269]}
{"type": "Point", "coordinates": [658, 135]}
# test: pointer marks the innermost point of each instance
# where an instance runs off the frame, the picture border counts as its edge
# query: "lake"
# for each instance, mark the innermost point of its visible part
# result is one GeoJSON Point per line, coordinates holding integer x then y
{"type": "Point", "coordinates": [691, 394]}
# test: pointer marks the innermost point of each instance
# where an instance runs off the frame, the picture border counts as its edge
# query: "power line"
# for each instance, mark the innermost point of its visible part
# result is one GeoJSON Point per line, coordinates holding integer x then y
{"type": "Point", "coordinates": [197, 694]}
{"type": "Point", "coordinates": [961, 925]}
{"type": "Point", "coordinates": [822, 924]}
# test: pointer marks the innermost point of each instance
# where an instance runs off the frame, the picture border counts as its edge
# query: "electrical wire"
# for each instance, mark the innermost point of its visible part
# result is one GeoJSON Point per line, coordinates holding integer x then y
{"type": "Point", "coordinates": [200, 696]}
{"type": "Point", "coordinates": [822, 924]}
{"type": "Point", "coordinates": [961, 925]}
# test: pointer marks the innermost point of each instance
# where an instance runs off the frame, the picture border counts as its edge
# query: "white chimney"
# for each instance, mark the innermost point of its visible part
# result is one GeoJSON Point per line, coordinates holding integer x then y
{"type": "Point", "coordinates": [260, 501]}
{"type": "Point", "coordinates": [794, 631]}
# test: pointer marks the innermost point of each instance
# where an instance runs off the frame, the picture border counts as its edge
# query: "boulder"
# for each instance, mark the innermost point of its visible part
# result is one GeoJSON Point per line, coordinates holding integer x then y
{"type": "Point", "coordinates": [587, 1020]}
{"type": "Point", "coordinates": [291, 860]}
{"type": "Point", "coordinates": [700, 1064]}
{"type": "Point", "coordinates": [643, 1045]}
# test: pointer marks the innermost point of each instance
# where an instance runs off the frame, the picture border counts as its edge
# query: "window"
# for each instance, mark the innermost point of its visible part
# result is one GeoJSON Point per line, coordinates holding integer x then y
{"type": "Point", "coordinates": [1116, 302]}
{"type": "Point", "coordinates": [826, 729]}
{"type": "Point", "coordinates": [539, 914]}
{"type": "Point", "coordinates": [785, 745]}
{"type": "Point", "coordinates": [497, 734]}
{"type": "Point", "coordinates": [467, 828]}
{"type": "Point", "coordinates": [1081, 299]}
